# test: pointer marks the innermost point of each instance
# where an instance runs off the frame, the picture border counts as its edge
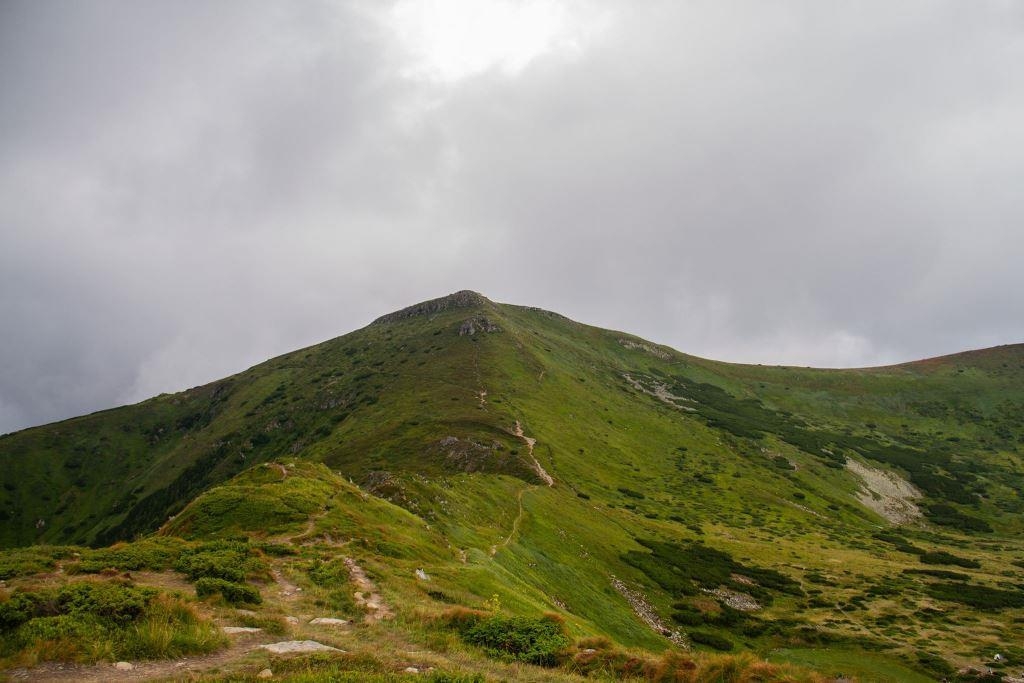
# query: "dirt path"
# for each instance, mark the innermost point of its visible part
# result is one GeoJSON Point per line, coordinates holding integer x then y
{"type": "Point", "coordinates": [287, 591]}
{"type": "Point", "coordinates": [367, 596]}
{"type": "Point", "coordinates": [515, 522]}
{"type": "Point", "coordinates": [179, 669]}
{"type": "Point", "coordinates": [530, 443]}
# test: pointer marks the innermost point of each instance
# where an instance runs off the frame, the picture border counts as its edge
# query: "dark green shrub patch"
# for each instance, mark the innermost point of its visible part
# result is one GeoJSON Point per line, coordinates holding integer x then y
{"type": "Point", "coordinates": [540, 641]}
{"type": "Point", "coordinates": [935, 664]}
{"type": "Point", "coordinates": [942, 557]}
{"type": "Point", "coordinates": [229, 560]}
{"type": "Point", "coordinates": [687, 615]}
{"type": "Point", "coordinates": [110, 601]}
{"type": "Point", "coordinates": [33, 560]}
{"type": "Point", "coordinates": [939, 574]}
{"type": "Point", "coordinates": [88, 620]}
{"type": "Point", "coordinates": [277, 549]}
{"type": "Point", "coordinates": [631, 493]}
{"type": "Point", "coordinates": [819, 578]}
{"type": "Point", "coordinates": [712, 640]}
{"type": "Point", "coordinates": [235, 593]}
{"type": "Point", "coordinates": [947, 515]}
{"type": "Point", "coordinates": [683, 569]}
{"type": "Point", "coordinates": [327, 574]}
{"type": "Point", "coordinates": [900, 543]}
{"type": "Point", "coordinates": [981, 597]}
{"type": "Point", "coordinates": [155, 553]}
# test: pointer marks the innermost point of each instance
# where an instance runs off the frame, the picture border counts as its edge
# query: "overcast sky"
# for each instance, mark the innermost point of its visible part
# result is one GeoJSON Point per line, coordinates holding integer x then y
{"type": "Point", "coordinates": [188, 188]}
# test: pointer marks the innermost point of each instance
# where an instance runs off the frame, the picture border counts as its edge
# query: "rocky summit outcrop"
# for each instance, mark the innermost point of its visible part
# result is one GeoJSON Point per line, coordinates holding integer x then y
{"type": "Point", "coordinates": [461, 299]}
{"type": "Point", "coordinates": [476, 324]}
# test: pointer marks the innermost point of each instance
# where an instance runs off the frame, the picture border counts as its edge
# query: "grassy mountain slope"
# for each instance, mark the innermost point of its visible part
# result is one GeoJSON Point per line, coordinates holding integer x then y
{"type": "Point", "coordinates": [513, 454]}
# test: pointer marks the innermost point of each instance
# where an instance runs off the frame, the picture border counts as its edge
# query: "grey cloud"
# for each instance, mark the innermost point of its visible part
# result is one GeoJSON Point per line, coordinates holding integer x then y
{"type": "Point", "coordinates": [187, 189]}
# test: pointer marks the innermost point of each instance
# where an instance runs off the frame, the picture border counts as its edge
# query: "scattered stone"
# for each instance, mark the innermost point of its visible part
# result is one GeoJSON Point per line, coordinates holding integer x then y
{"type": "Point", "coordinates": [647, 613]}
{"type": "Point", "coordinates": [328, 621]}
{"type": "Point", "coordinates": [235, 630]}
{"type": "Point", "coordinates": [641, 346]}
{"type": "Point", "coordinates": [266, 673]}
{"type": "Point", "coordinates": [245, 612]}
{"type": "Point", "coordinates": [886, 493]}
{"type": "Point", "coordinates": [367, 596]}
{"type": "Point", "coordinates": [422, 575]}
{"type": "Point", "coordinates": [734, 599]}
{"type": "Point", "coordinates": [124, 666]}
{"type": "Point", "coordinates": [411, 670]}
{"type": "Point", "coordinates": [292, 620]}
{"type": "Point", "coordinates": [660, 391]}
{"type": "Point", "coordinates": [298, 646]}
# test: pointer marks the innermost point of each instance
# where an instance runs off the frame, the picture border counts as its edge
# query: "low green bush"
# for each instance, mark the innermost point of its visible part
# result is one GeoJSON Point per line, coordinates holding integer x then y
{"type": "Point", "coordinates": [939, 574]}
{"type": "Point", "coordinates": [980, 597]}
{"type": "Point", "coordinates": [686, 615]}
{"type": "Point", "coordinates": [233, 592]}
{"type": "Point", "coordinates": [33, 560]}
{"type": "Point", "coordinates": [228, 560]}
{"type": "Point", "coordinates": [541, 641]}
{"type": "Point", "coordinates": [682, 569]}
{"type": "Point", "coordinates": [947, 515]}
{"type": "Point", "coordinates": [90, 620]}
{"type": "Point", "coordinates": [942, 557]}
{"type": "Point", "coordinates": [155, 553]}
{"type": "Point", "coordinates": [712, 640]}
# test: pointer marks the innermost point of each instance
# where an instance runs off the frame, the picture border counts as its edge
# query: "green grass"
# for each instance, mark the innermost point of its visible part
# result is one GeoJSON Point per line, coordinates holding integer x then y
{"type": "Point", "coordinates": [866, 667]}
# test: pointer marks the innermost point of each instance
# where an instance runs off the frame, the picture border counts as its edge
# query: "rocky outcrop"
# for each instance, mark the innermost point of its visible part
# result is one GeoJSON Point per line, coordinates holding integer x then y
{"type": "Point", "coordinates": [645, 347]}
{"type": "Point", "coordinates": [476, 324]}
{"type": "Point", "coordinates": [647, 613]}
{"type": "Point", "coordinates": [298, 646]}
{"type": "Point", "coordinates": [886, 493]}
{"type": "Point", "coordinates": [463, 299]}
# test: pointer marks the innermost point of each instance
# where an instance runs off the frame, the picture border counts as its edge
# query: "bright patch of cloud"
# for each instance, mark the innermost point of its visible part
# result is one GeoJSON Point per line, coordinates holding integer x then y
{"type": "Point", "coordinates": [449, 40]}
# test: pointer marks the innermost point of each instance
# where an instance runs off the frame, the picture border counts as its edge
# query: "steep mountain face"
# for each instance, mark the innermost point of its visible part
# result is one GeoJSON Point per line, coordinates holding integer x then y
{"type": "Point", "coordinates": [638, 491]}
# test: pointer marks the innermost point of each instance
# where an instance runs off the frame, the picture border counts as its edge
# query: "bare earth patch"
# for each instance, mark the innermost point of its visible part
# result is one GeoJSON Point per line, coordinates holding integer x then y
{"type": "Point", "coordinates": [886, 493]}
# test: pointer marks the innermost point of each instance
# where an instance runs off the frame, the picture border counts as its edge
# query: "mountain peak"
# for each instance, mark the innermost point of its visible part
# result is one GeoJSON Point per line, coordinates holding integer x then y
{"type": "Point", "coordinates": [462, 299]}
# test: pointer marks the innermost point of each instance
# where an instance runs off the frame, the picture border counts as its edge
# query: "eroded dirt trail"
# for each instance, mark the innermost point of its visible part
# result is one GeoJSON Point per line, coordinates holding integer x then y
{"type": "Point", "coordinates": [367, 596]}
{"type": "Point", "coordinates": [178, 669]}
{"type": "Point", "coordinates": [530, 443]}
{"type": "Point", "coordinates": [515, 523]}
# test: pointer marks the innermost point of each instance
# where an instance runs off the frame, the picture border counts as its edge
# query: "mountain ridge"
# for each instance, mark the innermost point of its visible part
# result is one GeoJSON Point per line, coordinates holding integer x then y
{"type": "Point", "coordinates": [673, 475]}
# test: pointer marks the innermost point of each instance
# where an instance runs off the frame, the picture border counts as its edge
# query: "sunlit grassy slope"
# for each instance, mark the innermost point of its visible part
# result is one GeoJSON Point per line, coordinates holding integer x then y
{"type": "Point", "coordinates": [671, 475]}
